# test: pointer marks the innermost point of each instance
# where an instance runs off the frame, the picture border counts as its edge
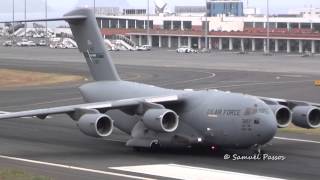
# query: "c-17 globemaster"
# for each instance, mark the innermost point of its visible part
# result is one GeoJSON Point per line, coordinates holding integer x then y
{"type": "Point", "coordinates": [155, 116]}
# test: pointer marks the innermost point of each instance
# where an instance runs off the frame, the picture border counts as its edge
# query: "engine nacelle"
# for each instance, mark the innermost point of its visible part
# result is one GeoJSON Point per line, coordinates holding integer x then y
{"type": "Point", "coordinates": [95, 125]}
{"type": "Point", "coordinates": [306, 117]}
{"type": "Point", "coordinates": [283, 115]}
{"type": "Point", "coordinates": [161, 120]}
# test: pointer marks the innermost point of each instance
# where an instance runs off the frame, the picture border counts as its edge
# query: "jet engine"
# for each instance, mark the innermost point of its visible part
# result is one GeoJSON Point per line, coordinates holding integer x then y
{"type": "Point", "coordinates": [306, 117]}
{"type": "Point", "coordinates": [283, 115]}
{"type": "Point", "coordinates": [95, 125]}
{"type": "Point", "coordinates": [161, 120]}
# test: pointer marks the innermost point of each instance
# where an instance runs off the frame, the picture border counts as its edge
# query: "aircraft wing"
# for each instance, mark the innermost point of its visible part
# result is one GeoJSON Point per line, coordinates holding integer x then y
{"type": "Point", "coordinates": [102, 107]}
{"type": "Point", "coordinates": [301, 113]}
{"type": "Point", "coordinates": [289, 103]}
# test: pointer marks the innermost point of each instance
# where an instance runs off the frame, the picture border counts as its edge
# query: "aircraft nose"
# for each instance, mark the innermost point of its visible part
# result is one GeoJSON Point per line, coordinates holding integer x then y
{"type": "Point", "coordinates": [268, 128]}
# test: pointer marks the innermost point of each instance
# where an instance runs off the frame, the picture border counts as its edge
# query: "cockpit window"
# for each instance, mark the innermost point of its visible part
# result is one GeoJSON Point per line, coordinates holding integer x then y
{"type": "Point", "coordinates": [252, 111]}
{"type": "Point", "coordinates": [263, 110]}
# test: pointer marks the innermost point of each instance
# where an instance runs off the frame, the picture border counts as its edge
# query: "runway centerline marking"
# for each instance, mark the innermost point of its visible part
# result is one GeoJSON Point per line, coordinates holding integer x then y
{"type": "Point", "coordinates": [75, 168]}
{"type": "Point", "coordinates": [297, 140]}
{"type": "Point", "coordinates": [177, 171]}
{"type": "Point", "coordinates": [212, 75]}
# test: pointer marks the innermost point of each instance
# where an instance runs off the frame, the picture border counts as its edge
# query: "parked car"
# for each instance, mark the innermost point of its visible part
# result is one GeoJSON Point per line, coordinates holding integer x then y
{"type": "Point", "coordinates": [37, 36]}
{"type": "Point", "coordinates": [185, 49]}
{"type": "Point", "coordinates": [205, 50]}
{"type": "Point", "coordinates": [144, 48]}
{"type": "Point", "coordinates": [113, 49]}
{"type": "Point", "coordinates": [42, 43]}
{"type": "Point", "coordinates": [307, 54]}
{"type": "Point", "coordinates": [25, 42]}
{"type": "Point", "coordinates": [58, 46]}
{"type": "Point", "coordinates": [7, 43]}
{"type": "Point", "coordinates": [31, 43]}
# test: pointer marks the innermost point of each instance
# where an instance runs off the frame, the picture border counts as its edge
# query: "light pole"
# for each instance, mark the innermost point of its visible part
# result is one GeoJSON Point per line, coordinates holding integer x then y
{"type": "Point", "coordinates": [12, 21]}
{"type": "Point", "coordinates": [25, 18]}
{"type": "Point", "coordinates": [148, 23]}
{"type": "Point", "coordinates": [268, 30]}
{"type": "Point", "coordinates": [94, 7]}
{"type": "Point", "coordinates": [46, 14]}
{"type": "Point", "coordinates": [206, 27]}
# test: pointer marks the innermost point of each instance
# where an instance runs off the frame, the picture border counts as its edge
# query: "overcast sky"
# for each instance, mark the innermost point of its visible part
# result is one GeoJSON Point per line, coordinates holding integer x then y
{"type": "Point", "coordinates": [35, 8]}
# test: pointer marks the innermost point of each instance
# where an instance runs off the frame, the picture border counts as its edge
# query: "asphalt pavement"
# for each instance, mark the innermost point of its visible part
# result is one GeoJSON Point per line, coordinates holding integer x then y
{"type": "Point", "coordinates": [55, 147]}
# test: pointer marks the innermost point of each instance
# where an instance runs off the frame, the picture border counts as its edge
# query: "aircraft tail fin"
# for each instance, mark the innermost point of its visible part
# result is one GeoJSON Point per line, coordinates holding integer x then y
{"type": "Point", "coordinates": [90, 42]}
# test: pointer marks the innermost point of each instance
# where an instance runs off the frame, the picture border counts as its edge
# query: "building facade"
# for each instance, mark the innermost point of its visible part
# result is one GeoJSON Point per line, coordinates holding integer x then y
{"type": "Point", "coordinates": [290, 34]}
{"type": "Point", "coordinates": [190, 10]}
{"type": "Point", "coordinates": [225, 7]}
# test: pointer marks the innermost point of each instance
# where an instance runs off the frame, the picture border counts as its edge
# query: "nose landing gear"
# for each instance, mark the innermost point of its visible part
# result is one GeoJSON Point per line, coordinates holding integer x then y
{"type": "Point", "coordinates": [257, 149]}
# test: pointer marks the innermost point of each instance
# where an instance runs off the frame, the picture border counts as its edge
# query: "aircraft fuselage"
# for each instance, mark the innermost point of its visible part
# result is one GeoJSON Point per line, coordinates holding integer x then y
{"type": "Point", "coordinates": [210, 117]}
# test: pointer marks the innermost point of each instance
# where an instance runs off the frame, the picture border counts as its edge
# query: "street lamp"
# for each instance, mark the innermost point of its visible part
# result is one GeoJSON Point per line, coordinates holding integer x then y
{"type": "Point", "coordinates": [25, 18]}
{"type": "Point", "coordinates": [268, 29]}
{"type": "Point", "coordinates": [148, 23]}
{"type": "Point", "coordinates": [206, 27]}
{"type": "Point", "coordinates": [12, 20]}
{"type": "Point", "coordinates": [46, 14]}
{"type": "Point", "coordinates": [94, 7]}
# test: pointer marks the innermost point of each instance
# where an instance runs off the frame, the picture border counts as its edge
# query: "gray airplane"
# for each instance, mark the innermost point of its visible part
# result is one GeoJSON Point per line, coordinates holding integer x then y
{"type": "Point", "coordinates": [155, 116]}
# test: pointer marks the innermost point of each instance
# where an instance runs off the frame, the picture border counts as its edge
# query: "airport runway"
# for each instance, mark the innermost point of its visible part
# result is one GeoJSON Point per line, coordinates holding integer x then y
{"type": "Point", "coordinates": [68, 154]}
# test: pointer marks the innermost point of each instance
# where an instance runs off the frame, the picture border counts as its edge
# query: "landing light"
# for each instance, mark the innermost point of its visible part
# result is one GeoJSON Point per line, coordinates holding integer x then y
{"type": "Point", "coordinates": [199, 139]}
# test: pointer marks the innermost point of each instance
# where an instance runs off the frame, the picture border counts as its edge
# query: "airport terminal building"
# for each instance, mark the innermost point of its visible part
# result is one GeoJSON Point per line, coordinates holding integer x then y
{"type": "Point", "coordinates": [228, 28]}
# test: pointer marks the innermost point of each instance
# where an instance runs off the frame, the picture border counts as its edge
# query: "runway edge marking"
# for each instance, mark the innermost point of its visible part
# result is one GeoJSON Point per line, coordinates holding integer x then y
{"type": "Point", "coordinates": [74, 168]}
{"type": "Point", "coordinates": [177, 171]}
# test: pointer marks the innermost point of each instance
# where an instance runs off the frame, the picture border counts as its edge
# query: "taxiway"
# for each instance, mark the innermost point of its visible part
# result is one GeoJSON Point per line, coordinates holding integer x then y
{"type": "Point", "coordinates": [56, 148]}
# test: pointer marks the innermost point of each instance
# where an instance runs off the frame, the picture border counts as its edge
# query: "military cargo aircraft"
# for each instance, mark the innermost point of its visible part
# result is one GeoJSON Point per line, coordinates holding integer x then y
{"type": "Point", "coordinates": [155, 116]}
